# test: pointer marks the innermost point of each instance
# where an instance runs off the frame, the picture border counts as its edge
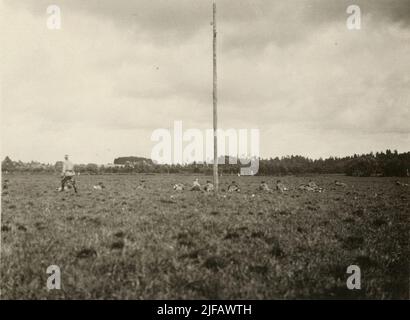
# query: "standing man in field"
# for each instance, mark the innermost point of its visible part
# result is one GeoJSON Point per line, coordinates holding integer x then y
{"type": "Point", "coordinates": [67, 175]}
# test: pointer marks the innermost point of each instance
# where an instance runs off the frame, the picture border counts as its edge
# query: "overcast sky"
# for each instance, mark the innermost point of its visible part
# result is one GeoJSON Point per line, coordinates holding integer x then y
{"type": "Point", "coordinates": [117, 70]}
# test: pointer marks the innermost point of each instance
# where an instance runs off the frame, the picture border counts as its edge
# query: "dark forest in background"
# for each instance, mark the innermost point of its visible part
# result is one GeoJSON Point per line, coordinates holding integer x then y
{"type": "Point", "coordinates": [388, 163]}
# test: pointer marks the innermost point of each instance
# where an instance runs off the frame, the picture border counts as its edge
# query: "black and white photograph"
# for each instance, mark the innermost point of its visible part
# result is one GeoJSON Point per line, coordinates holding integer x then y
{"type": "Point", "coordinates": [205, 150]}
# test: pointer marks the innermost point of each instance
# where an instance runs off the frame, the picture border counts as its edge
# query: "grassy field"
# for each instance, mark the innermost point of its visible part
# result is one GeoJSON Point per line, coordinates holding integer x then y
{"type": "Point", "coordinates": [154, 243]}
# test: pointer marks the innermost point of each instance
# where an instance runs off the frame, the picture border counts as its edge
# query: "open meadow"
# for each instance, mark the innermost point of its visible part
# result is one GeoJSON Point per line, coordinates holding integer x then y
{"type": "Point", "coordinates": [125, 242]}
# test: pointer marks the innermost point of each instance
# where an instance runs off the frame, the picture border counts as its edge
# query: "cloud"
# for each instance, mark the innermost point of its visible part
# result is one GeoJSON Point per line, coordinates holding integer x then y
{"type": "Point", "coordinates": [259, 21]}
{"type": "Point", "coordinates": [117, 70]}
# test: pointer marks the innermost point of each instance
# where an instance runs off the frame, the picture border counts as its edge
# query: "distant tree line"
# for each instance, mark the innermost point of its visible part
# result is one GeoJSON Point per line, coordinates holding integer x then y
{"type": "Point", "coordinates": [389, 163]}
{"type": "Point", "coordinates": [379, 164]}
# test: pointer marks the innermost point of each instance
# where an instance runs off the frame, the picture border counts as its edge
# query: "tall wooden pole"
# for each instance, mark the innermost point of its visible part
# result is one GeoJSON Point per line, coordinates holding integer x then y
{"type": "Point", "coordinates": [215, 102]}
